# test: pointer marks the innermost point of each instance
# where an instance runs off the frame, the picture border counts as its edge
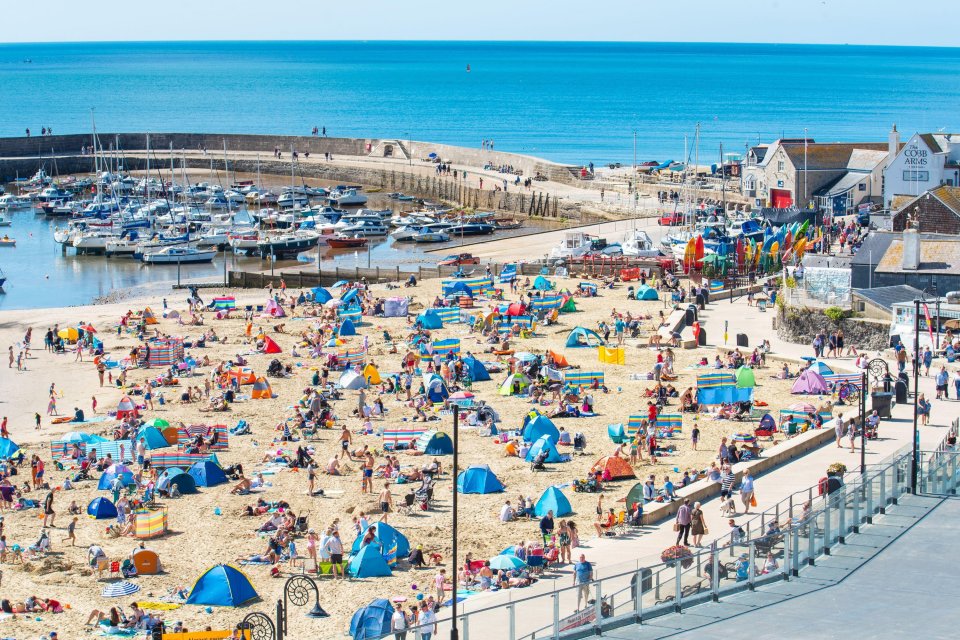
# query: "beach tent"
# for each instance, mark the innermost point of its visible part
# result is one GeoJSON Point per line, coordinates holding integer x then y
{"type": "Point", "coordinates": [548, 444]}
{"type": "Point", "coordinates": [558, 359]}
{"type": "Point", "coordinates": [396, 307]}
{"type": "Point", "coordinates": [542, 284]}
{"type": "Point", "coordinates": [352, 380]}
{"type": "Point", "coordinates": [392, 542]}
{"type": "Point", "coordinates": [179, 478]}
{"type": "Point", "coordinates": [101, 509]}
{"type": "Point", "coordinates": [127, 409]}
{"type": "Point", "coordinates": [153, 438]}
{"type": "Point", "coordinates": [243, 375]}
{"type": "Point", "coordinates": [767, 422]}
{"type": "Point", "coordinates": [436, 388]}
{"type": "Point", "coordinates": [458, 289]}
{"type": "Point", "coordinates": [539, 426]}
{"type": "Point", "coordinates": [582, 337]}
{"type": "Point", "coordinates": [516, 309]}
{"type": "Point", "coordinates": [149, 317]}
{"type": "Point", "coordinates": [434, 443]}
{"type": "Point", "coordinates": [634, 496]}
{"type": "Point", "coordinates": [321, 295]}
{"type": "Point", "coordinates": [274, 310]}
{"type": "Point", "coordinates": [207, 474]}
{"type": "Point", "coordinates": [106, 479]}
{"type": "Point", "coordinates": [618, 467]}
{"type": "Point", "coordinates": [478, 479]}
{"type": "Point", "coordinates": [261, 390]}
{"type": "Point", "coordinates": [430, 320]}
{"type": "Point", "coordinates": [372, 621]}
{"type": "Point", "coordinates": [146, 561]}
{"type": "Point", "coordinates": [8, 448]}
{"type": "Point", "coordinates": [553, 500]}
{"type": "Point", "coordinates": [475, 369]}
{"type": "Point", "coordinates": [512, 383]}
{"type": "Point", "coordinates": [349, 296]}
{"type": "Point", "coordinates": [617, 432]}
{"type": "Point", "coordinates": [369, 563]}
{"type": "Point", "coordinates": [809, 382]}
{"type": "Point", "coordinates": [371, 375]}
{"type": "Point", "coordinates": [346, 329]}
{"type": "Point", "coordinates": [647, 293]}
{"type": "Point", "coordinates": [569, 305]}
{"type": "Point", "coordinates": [270, 345]}
{"type": "Point", "coordinates": [821, 367]}
{"type": "Point", "coordinates": [222, 586]}
{"type": "Point", "coordinates": [746, 378]}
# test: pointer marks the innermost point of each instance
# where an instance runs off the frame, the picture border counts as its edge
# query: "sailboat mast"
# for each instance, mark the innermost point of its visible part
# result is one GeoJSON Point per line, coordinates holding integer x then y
{"type": "Point", "coordinates": [147, 177]}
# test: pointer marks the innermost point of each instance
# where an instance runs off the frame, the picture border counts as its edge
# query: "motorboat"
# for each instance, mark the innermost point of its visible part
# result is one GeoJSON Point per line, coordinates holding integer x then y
{"type": "Point", "coordinates": [10, 202]}
{"type": "Point", "coordinates": [366, 226]}
{"type": "Point", "coordinates": [405, 234]}
{"type": "Point", "coordinates": [93, 241]}
{"type": "Point", "coordinates": [243, 241]}
{"type": "Point", "coordinates": [287, 244]}
{"type": "Point", "coordinates": [211, 237]}
{"type": "Point", "coordinates": [503, 224]}
{"type": "Point", "coordinates": [471, 229]}
{"type": "Point", "coordinates": [5, 221]}
{"type": "Point", "coordinates": [346, 198]}
{"type": "Point", "coordinates": [261, 198]}
{"type": "Point", "coordinates": [179, 255]}
{"type": "Point", "coordinates": [289, 200]}
{"type": "Point", "coordinates": [49, 194]}
{"type": "Point", "coordinates": [638, 244]}
{"type": "Point", "coordinates": [428, 236]}
{"type": "Point", "coordinates": [7, 241]}
{"type": "Point", "coordinates": [346, 242]}
{"type": "Point", "coordinates": [217, 202]}
{"type": "Point", "coordinates": [573, 245]}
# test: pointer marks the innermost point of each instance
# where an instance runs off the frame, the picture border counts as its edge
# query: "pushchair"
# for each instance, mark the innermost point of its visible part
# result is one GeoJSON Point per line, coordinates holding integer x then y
{"type": "Point", "coordinates": [539, 461]}
{"type": "Point", "coordinates": [275, 369]}
{"type": "Point", "coordinates": [84, 472]}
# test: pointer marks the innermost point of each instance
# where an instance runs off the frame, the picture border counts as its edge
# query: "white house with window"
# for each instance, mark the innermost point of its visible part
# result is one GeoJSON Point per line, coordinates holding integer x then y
{"type": "Point", "coordinates": [925, 162]}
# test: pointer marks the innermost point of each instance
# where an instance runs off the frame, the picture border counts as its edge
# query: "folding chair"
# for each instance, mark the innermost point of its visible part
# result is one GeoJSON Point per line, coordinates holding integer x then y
{"type": "Point", "coordinates": [620, 526]}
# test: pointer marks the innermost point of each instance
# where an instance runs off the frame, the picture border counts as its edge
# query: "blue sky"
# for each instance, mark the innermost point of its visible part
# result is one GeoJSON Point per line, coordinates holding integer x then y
{"type": "Point", "coordinates": [885, 22]}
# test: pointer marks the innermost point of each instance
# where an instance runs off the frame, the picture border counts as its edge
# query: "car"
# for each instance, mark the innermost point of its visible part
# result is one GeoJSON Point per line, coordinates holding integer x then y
{"type": "Point", "coordinates": [670, 219]}
{"type": "Point", "coordinates": [458, 259]}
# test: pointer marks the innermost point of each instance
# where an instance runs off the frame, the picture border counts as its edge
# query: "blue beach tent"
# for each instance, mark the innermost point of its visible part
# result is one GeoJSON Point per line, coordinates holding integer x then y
{"type": "Point", "coordinates": [153, 438]}
{"type": "Point", "coordinates": [542, 284]}
{"type": "Point", "coordinates": [435, 443]}
{"type": "Point", "coordinates": [369, 563]}
{"type": "Point", "coordinates": [436, 388]}
{"type": "Point", "coordinates": [177, 477]}
{"type": "Point", "coordinates": [207, 474]}
{"type": "Point", "coordinates": [386, 537]}
{"type": "Point", "coordinates": [101, 509]}
{"type": "Point", "coordinates": [582, 337]}
{"type": "Point", "coordinates": [553, 500]}
{"type": "Point", "coordinates": [349, 295]}
{"type": "Point", "coordinates": [106, 480]}
{"type": "Point", "coordinates": [538, 427]}
{"type": "Point", "coordinates": [9, 448]}
{"type": "Point", "coordinates": [430, 320]}
{"type": "Point", "coordinates": [476, 370]}
{"type": "Point", "coordinates": [347, 328]}
{"type": "Point", "coordinates": [372, 621]}
{"type": "Point", "coordinates": [222, 586]}
{"type": "Point", "coordinates": [478, 479]}
{"type": "Point", "coordinates": [321, 295]}
{"type": "Point", "coordinates": [647, 293]}
{"type": "Point", "coordinates": [548, 444]}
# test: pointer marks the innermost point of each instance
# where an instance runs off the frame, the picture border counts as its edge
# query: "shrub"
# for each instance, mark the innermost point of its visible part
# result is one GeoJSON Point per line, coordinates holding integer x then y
{"type": "Point", "coordinates": [835, 314]}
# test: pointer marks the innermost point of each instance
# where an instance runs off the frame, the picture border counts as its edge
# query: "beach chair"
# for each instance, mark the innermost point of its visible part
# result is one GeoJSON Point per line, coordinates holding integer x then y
{"type": "Point", "coordinates": [536, 564]}
{"type": "Point", "coordinates": [620, 526]}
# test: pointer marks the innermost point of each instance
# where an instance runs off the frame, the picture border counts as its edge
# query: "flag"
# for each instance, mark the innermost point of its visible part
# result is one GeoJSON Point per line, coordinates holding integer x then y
{"type": "Point", "coordinates": [926, 313]}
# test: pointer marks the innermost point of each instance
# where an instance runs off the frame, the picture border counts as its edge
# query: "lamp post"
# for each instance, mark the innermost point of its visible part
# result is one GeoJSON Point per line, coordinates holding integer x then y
{"type": "Point", "coordinates": [297, 592]}
{"type": "Point", "coordinates": [454, 631]}
{"type": "Point", "coordinates": [863, 423]}
{"type": "Point", "coordinates": [916, 394]}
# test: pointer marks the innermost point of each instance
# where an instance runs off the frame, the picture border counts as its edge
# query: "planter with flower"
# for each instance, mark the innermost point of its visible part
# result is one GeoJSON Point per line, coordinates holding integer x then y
{"type": "Point", "coordinates": [836, 469]}
{"type": "Point", "coordinates": [671, 555]}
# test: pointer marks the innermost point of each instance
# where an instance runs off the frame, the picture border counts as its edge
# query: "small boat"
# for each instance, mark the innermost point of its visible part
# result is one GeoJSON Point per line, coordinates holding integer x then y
{"type": "Point", "coordinates": [507, 223]}
{"type": "Point", "coordinates": [346, 198]}
{"type": "Point", "coordinates": [5, 222]}
{"type": "Point", "coordinates": [7, 241]}
{"type": "Point", "coordinates": [179, 255]}
{"type": "Point", "coordinates": [430, 237]}
{"type": "Point", "coordinates": [346, 242]}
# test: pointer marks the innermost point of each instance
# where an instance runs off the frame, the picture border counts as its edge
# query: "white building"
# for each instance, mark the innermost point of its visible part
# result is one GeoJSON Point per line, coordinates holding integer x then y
{"type": "Point", "coordinates": [925, 162]}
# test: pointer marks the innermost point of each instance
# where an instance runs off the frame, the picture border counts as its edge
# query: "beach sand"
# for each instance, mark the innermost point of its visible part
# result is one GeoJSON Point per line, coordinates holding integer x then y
{"type": "Point", "coordinates": [198, 538]}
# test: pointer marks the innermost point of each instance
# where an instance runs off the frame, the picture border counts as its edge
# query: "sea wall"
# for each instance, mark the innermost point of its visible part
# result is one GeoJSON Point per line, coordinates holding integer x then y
{"type": "Point", "coordinates": [801, 326]}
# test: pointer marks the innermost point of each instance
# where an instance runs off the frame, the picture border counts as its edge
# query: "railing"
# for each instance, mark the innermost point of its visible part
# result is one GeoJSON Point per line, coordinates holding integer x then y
{"type": "Point", "coordinates": [809, 527]}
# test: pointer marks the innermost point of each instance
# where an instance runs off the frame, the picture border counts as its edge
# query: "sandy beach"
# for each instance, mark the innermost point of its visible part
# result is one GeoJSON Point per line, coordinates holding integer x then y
{"type": "Point", "coordinates": [199, 538]}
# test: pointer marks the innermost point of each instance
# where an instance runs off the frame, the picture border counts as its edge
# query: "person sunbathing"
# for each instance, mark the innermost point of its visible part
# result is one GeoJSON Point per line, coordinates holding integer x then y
{"type": "Point", "coordinates": [242, 487]}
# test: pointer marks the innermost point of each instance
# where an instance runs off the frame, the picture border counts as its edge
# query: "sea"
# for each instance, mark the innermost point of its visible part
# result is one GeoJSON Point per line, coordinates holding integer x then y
{"type": "Point", "coordinates": [566, 101]}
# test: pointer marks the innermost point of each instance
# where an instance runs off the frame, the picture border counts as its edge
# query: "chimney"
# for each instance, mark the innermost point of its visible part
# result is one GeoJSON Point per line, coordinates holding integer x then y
{"type": "Point", "coordinates": [893, 144]}
{"type": "Point", "coordinates": [911, 249]}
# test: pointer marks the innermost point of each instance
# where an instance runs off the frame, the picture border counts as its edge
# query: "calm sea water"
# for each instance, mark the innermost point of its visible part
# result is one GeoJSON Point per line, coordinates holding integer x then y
{"type": "Point", "coordinates": [572, 102]}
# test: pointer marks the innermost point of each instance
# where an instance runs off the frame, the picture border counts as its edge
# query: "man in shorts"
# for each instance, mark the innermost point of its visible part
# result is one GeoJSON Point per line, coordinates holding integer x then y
{"type": "Point", "coordinates": [386, 501]}
{"type": "Point", "coordinates": [582, 576]}
{"type": "Point", "coordinates": [334, 548]}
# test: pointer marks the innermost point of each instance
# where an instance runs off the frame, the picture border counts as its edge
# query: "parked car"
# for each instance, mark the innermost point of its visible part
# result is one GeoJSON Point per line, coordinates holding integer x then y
{"type": "Point", "coordinates": [670, 219]}
{"type": "Point", "coordinates": [458, 259]}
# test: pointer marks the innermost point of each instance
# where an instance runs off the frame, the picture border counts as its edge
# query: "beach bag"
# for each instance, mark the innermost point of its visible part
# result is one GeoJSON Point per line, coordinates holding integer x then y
{"type": "Point", "coordinates": [676, 526]}
{"type": "Point", "coordinates": [753, 501]}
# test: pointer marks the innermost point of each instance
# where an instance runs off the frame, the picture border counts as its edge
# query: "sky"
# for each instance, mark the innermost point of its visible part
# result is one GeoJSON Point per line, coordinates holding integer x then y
{"type": "Point", "coordinates": [881, 22]}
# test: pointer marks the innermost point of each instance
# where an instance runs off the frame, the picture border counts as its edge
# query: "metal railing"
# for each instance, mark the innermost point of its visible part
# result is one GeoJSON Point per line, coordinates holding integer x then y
{"type": "Point", "coordinates": [807, 526]}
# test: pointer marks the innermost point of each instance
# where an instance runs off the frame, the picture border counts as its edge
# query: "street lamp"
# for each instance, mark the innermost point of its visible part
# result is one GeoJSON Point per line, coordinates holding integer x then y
{"type": "Point", "coordinates": [863, 423]}
{"type": "Point", "coordinates": [296, 591]}
{"type": "Point", "coordinates": [916, 394]}
{"type": "Point", "coordinates": [454, 632]}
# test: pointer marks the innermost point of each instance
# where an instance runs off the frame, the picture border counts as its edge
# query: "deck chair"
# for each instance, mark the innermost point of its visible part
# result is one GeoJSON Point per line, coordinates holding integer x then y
{"type": "Point", "coordinates": [536, 564]}
{"type": "Point", "coordinates": [620, 526]}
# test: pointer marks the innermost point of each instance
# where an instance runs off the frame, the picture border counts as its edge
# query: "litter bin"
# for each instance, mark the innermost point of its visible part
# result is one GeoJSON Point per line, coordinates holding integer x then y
{"type": "Point", "coordinates": [743, 340]}
{"type": "Point", "coordinates": [881, 403]}
{"type": "Point", "coordinates": [701, 301]}
{"type": "Point", "coordinates": [702, 338]}
{"type": "Point", "coordinates": [902, 392]}
{"type": "Point", "coordinates": [691, 315]}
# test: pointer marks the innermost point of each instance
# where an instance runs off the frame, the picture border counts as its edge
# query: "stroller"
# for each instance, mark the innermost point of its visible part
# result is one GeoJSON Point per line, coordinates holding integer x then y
{"type": "Point", "coordinates": [580, 444]}
{"type": "Point", "coordinates": [275, 369]}
{"type": "Point", "coordinates": [84, 472]}
{"type": "Point", "coordinates": [539, 461]}
{"type": "Point", "coordinates": [424, 495]}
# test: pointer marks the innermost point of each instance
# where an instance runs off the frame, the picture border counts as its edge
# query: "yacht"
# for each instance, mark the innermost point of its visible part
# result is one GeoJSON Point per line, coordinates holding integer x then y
{"type": "Point", "coordinates": [289, 200]}
{"type": "Point", "coordinates": [346, 198]}
{"type": "Point", "coordinates": [212, 237]}
{"type": "Point", "coordinates": [93, 241]}
{"type": "Point", "coordinates": [366, 227]}
{"type": "Point", "coordinates": [243, 241]}
{"type": "Point", "coordinates": [574, 244]}
{"type": "Point", "coordinates": [49, 194]}
{"type": "Point", "coordinates": [638, 244]}
{"type": "Point", "coordinates": [10, 202]}
{"type": "Point", "coordinates": [287, 244]}
{"type": "Point", "coordinates": [179, 255]}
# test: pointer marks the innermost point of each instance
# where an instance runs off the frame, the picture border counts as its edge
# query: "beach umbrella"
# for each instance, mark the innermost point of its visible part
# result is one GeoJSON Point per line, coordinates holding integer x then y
{"type": "Point", "coordinates": [507, 563]}
{"type": "Point", "coordinates": [119, 469]}
{"type": "Point", "coordinates": [333, 303]}
{"type": "Point", "coordinates": [119, 589]}
{"type": "Point", "coordinates": [953, 325]}
{"type": "Point", "coordinates": [159, 423]}
{"type": "Point", "coordinates": [462, 395]}
{"type": "Point", "coordinates": [88, 328]}
{"type": "Point", "coordinates": [340, 283]}
{"type": "Point", "coordinates": [69, 333]}
{"type": "Point", "coordinates": [80, 436]}
{"type": "Point", "coordinates": [524, 356]}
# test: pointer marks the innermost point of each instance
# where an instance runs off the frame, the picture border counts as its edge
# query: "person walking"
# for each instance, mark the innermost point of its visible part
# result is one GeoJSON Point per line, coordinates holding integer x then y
{"type": "Point", "coordinates": [746, 491]}
{"type": "Point", "coordinates": [682, 523]}
{"type": "Point", "coordinates": [398, 623]}
{"type": "Point", "coordinates": [838, 429]}
{"type": "Point", "coordinates": [956, 384]}
{"type": "Point", "coordinates": [942, 379]}
{"type": "Point", "coordinates": [698, 526]}
{"type": "Point", "coordinates": [582, 577]}
{"type": "Point", "coordinates": [546, 526]}
{"type": "Point", "coordinates": [427, 621]}
{"type": "Point", "coordinates": [852, 434]}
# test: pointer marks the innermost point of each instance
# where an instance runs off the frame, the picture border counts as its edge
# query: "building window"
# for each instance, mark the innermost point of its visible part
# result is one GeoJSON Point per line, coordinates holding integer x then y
{"type": "Point", "coordinates": [751, 183]}
{"type": "Point", "coordinates": [916, 176]}
{"type": "Point", "coordinates": [862, 186]}
{"type": "Point", "coordinates": [780, 165]}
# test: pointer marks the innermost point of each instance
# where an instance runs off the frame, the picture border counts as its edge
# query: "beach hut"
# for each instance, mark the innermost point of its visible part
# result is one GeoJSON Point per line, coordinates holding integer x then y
{"type": "Point", "coordinates": [537, 426]}
{"type": "Point", "coordinates": [270, 345]}
{"type": "Point", "coordinates": [369, 563]}
{"type": "Point", "coordinates": [101, 509]}
{"type": "Point", "coordinates": [149, 317]}
{"type": "Point", "coordinates": [647, 293]}
{"type": "Point", "coordinates": [321, 295]}
{"type": "Point", "coordinates": [475, 369]}
{"type": "Point", "coordinates": [746, 378]}
{"type": "Point", "coordinates": [346, 329]}
{"type": "Point", "coordinates": [207, 474]}
{"type": "Point", "coordinates": [8, 448]}
{"type": "Point", "coordinates": [430, 320]}
{"type": "Point", "coordinates": [153, 438]}
{"type": "Point", "coordinates": [352, 380]}
{"type": "Point", "coordinates": [542, 284]}
{"type": "Point", "coordinates": [151, 523]}
{"type": "Point", "coordinates": [274, 310]}
{"type": "Point", "coordinates": [810, 382]}
{"type": "Point", "coordinates": [436, 388]}
{"type": "Point", "coordinates": [552, 499]}
{"type": "Point", "coordinates": [261, 390]}
{"type": "Point", "coordinates": [545, 444]}
{"type": "Point", "coordinates": [434, 443]}
{"type": "Point", "coordinates": [371, 375]}
{"type": "Point", "coordinates": [582, 337]}
{"type": "Point", "coordinates": [127, 409]}
{"type": "Point", "coordinates": [372, 621]}
{"type": "Point", "coordinates": [617, 467]}
{"type": "Point", "coordinates": [515, 383]}
{"type": "Point", "coordinates": [478, 479]}
{"type": "Point", "coordinates": [222, 586]}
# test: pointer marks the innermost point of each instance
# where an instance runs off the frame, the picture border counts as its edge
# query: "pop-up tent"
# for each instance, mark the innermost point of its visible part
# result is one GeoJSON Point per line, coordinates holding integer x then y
{"type": "Point", "coordinates": [152, 437]}
{"type": "Point", "coordinates": [106, 480]}
{"type": "Point", "coordinates": [371, 375]}
{"type": "Point", "coordinates": [810, 382]}
{"type": "Point", "coordinates": [430, 320]}
{"type": "Point", "coordinates": [270, 345]}
{"type": "Point", "coordinates": [101, 509]}
{"type": "Point", "coordinates": [553, 500]}
{"type": "Point", "coordinates": [436, 388]}
{"type": "Point", "coordinates": [539, 426]}
{"type": "Point", "coordinates": [207, 473]}
{"type": "Point", "coordinates": [542, 284]}
{"type": "Point", "coordinates": [582, 337]}
{"type": "Point", "coordinates": [243, 375]}
{"type": "Point", "coordinates": [349, 296]}
{"type": "Point", "coordinates": [435, 443]}
{"type": "Point", "coordinates": [176, 477]}
{"type": "Point", "coordinates": [369, 563]}
{"type": "Point", "coordinates": [126, 408]}
{"type": "Point", "coordinates": [372, 621]}
{"type": "Point", "coordinates": [647, 293]}
{"type": "Point", "coordinates": [321, 295]}
{"type": "Point", "coordinates": [274, 310]}
{"type": "Point", "coordinates": [478, 479]}
{"type": "Point", "coordinates": [516, 309]}
{"type": "Point", "coordinates": [548, 445]}
{"type": "Point", "coordinates": [261, 390]}
{"type": "Point", "coordinates": [569, 305]}
{"type": "Point", "coordinates": [514, 383]}
{"type": "Point", "coordinates": [149, 317]}
{"type": "Point", "coordinates": [391, 541]}
{"type": "Point", "coordinates": [8, 448]}
{"type": "Point", "coordinates": [618, 467]}
{"type": "Point", "coordinates": [821, 367]}
{"type": "Point", "coordinates": [746, 378]}
{"type": "Point", "coordinates": [475, 369]}
{"type": "Point", "coordinates": [352, 380]}
{"type": "Point", "coordinates": [222, 586]}
{"type": "Point", "coordinates": [634, 496]}
{"type": "Point", "coordinates": [346, 329]}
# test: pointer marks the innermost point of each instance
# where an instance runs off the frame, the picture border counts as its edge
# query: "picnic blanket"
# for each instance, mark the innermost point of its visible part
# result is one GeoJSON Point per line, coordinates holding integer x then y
{"type": "Point", "coordinates": [402, 438]}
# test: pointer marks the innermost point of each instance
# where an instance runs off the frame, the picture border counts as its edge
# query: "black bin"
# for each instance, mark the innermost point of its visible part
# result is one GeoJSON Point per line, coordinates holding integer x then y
{"type": "Point", "coordinates": [902, 392]}
{"type": "Point", "coordinates": [743, 340]}
{"type": "Point", "coordinates": [702, 338]}
{"type": "Point", "coordinates": [881, 402]}
{"type": "Point", "coordinates": [691, 315]}
{"type": "Point", "coordinates": [701, 301]}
